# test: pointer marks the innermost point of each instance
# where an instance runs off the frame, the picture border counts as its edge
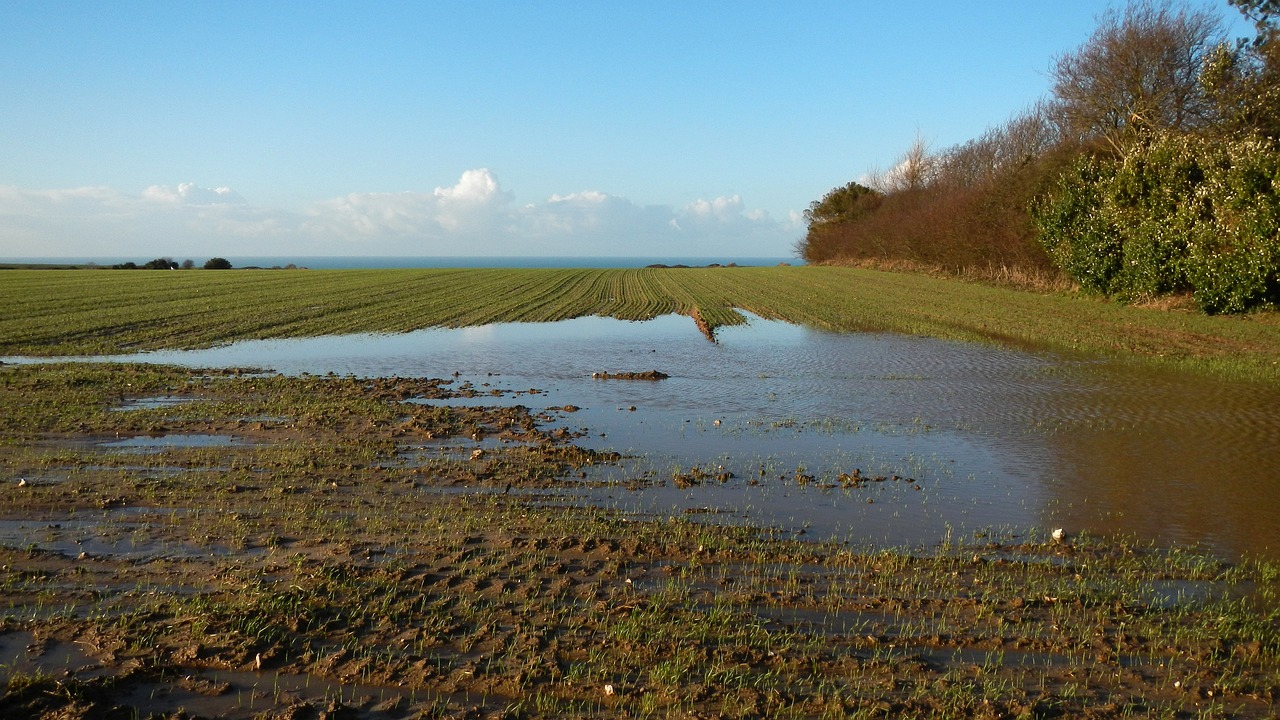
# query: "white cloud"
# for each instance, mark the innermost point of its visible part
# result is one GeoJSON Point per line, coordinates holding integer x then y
{"type": "Point", "coordinates": [473, 203]}
{"type": "Point", "coordinates": [100, 221]}
{"type": "Point", "coordinates": [17, 201]}
{"type": "Point", "coordinates": [590, 218]}
{"type": "Point", "coordinates": [474, 216]}
{"type": "Point", "coordinates": [721, 207]}
{"type": "Point", "coordinates": [587, 197]}
{"type": "Point", "coordinates": [474, 187]}
{"type": "Point", "coordinates": [191, 194]}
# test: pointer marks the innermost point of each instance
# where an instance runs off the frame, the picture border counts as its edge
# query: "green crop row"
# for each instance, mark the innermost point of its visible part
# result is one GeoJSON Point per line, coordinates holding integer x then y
{"type": "Point", "coordinates": [63, 312]}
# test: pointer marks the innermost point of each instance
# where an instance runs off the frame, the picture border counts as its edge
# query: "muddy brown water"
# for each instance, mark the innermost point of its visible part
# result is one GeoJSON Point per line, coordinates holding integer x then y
{"type": "Point", "coordinates": [980, 437]}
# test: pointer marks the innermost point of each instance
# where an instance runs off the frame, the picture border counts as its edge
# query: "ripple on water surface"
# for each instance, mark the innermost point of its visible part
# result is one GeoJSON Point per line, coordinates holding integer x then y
{"type": "Point", "coordinates": [993, 436]}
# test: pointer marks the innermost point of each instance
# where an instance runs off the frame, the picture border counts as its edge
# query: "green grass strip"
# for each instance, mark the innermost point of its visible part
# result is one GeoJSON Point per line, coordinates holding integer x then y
{"type": "Point", "coordinates": [70, 312]}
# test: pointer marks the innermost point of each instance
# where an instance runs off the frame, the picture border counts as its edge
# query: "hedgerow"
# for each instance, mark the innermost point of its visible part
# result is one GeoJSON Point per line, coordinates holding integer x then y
{"type": "Point", "coordinates": [1180, 213]}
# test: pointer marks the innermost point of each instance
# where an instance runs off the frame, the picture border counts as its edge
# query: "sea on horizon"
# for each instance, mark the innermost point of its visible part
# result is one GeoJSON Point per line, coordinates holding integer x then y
{"type": "Point", "coordinates": [367, 262]}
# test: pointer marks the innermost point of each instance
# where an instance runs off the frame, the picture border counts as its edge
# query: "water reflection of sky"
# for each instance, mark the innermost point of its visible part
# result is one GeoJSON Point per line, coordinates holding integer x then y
{"type": "Point", "coordinates": [993, 437]}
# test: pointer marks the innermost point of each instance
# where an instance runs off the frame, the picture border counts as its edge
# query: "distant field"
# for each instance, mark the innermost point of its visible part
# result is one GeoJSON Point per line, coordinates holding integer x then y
{"type": "Point", "coordinates": [56, 312]}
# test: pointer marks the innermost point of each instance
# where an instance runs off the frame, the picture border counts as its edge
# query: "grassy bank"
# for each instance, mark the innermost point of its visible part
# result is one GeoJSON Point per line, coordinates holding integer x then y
{"type": "Point", "coordinates": [344, 554]}
{"type": "Point", "coordinates": [83, 312]}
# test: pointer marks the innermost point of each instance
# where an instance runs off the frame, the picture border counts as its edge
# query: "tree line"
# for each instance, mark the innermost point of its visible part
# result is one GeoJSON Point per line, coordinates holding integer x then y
{"type": "Point", "coordinates": [1152, 170]}
{"type": "Point", "coordinates": [166, 263]}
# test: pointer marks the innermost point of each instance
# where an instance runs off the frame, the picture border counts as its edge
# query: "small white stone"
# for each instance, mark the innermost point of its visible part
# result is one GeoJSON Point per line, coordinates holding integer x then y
{"type": "Point", "coordinates": [608, 689]}
{"type": "Point", "coordinates": [1059, 534]}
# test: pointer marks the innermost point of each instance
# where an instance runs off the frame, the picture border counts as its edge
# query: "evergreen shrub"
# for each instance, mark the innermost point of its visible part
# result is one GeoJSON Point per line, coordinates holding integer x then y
{"type": "Point", "coordinates": [1179, 213]}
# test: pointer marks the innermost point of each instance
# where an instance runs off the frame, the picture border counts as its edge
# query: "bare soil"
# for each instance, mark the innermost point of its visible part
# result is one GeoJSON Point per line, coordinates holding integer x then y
{"type": "Point", "coordinates": [354, 555]}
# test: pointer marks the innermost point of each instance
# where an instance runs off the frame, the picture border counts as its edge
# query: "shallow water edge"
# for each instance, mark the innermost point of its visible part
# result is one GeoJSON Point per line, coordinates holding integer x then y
{"type": "Point", "coordinates": [989, 437]}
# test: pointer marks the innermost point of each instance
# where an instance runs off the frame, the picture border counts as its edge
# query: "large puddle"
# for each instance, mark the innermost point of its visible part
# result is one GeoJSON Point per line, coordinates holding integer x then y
{"type": "Point", "coordinates": [979, 437]}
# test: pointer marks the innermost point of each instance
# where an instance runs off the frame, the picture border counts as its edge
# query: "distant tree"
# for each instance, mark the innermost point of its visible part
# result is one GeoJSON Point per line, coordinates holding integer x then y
{"type": "Point", "coordinates": [914, 170]}
{"type": "Point", "coordinates": [1243, 80]}
{"type": "Point", "coordinates": [1018, 143]}
{"type": "Point", "coordinates": [1139, 72]}
{"type": "Point", "coordinates": [188, 264]}
{"type": "Point", "coordinates": [827, 217]}
{"type": "Point", "coordinates": [161, 264]}
{"type": "Point", "coordinates": [125, 266]}
{"type": "Point", "coordinates": [841, 204]}
{"type": "Point", "coordinates": [217, 264]}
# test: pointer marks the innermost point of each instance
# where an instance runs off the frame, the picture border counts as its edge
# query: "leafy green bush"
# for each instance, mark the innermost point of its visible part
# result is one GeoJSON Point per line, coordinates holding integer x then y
{"type": "Point", "coordinates": [1075, 230]}
{"type": "Point", "coordinates": [842, 204]}
{"type": "Point", "coordinates": [1178, 214]}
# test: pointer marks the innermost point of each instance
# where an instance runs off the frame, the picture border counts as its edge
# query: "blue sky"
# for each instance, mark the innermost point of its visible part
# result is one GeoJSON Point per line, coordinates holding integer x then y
{"type": "Point", "coordinates": [485, 128]}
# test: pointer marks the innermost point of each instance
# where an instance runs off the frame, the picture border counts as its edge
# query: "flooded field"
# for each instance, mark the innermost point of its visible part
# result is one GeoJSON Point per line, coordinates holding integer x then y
{"type": "Point", "coordinates": [877, 439]}
{"type": "Point", "coordinates": [602, 519]}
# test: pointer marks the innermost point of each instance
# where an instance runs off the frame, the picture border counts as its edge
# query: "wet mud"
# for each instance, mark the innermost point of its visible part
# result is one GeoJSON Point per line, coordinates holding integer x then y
{"type": "Point", "coordinates": [355, 550]}
{"type": "Point", "coordinates": [651, 375]}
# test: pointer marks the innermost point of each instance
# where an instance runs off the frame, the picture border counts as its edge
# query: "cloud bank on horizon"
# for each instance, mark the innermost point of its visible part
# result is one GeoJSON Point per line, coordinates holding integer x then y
{"type": "Point", "coordinates": [474, 217]}
{"type": "Point", "coordinates": [667, 129]}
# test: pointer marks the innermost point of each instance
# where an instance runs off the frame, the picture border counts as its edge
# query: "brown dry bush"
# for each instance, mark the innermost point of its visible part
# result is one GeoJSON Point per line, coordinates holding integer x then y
{"type": "Point", "coordinates": [965, 209]}
{"type": "Point", "coordinates": [970, 219]}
